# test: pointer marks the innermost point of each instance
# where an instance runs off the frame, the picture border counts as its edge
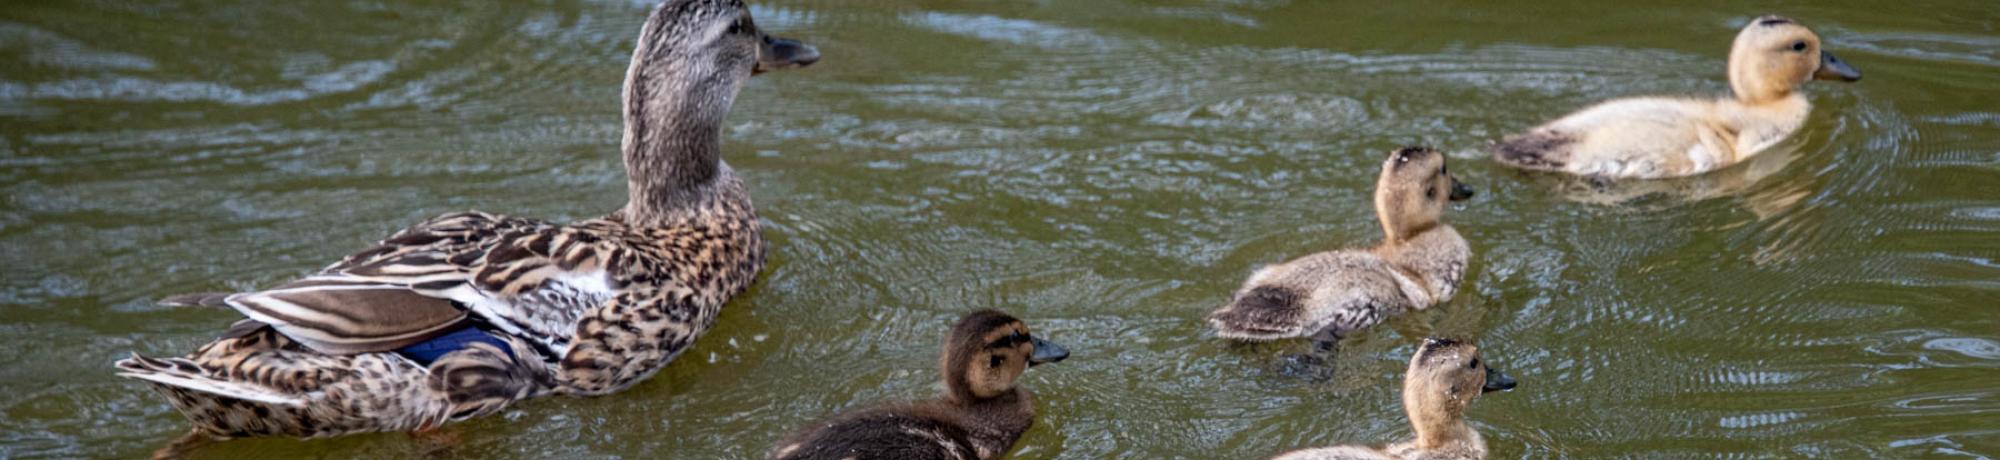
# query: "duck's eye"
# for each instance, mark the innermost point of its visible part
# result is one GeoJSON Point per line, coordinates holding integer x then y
{"type": "Point", "coordinates": [1472, 365]}
{"type": "Point", "coordinates": [1799, 45]}
{"type": "Point", "coordinates": [736, 27]}
{"type": "Point", "coordinates": [997, 359]}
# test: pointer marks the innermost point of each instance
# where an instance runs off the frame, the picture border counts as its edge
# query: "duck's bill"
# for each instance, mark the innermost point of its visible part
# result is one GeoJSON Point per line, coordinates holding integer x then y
{"type": "Point", "coordinates": [1459, 191]}
{"type": "Point", "coordinates": [1832, 68]}
{"type": "Point", "coordinates": [1496, 381]}
{"type": "Point", "coordinates": [784, 53]}
{"type": "Point", "coordinates": [1047, 352]}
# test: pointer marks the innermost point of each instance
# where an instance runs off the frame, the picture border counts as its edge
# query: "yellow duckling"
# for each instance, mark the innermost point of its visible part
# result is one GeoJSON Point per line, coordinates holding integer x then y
{"type": "Point", "coordinates": [1444, 377]}
{"type": "Point", "coordinates": [1660, 137]}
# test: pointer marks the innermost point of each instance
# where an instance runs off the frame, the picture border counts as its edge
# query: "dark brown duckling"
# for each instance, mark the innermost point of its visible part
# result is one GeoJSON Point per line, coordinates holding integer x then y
{"type": "Point", "coordinates": [980, 415]}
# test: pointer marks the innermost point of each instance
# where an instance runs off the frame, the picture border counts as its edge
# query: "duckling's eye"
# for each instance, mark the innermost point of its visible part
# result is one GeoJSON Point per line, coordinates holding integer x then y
{"type": "Point", "coordinates": [736, 27]}
{"type": "Point", "coordinates": [1799, 45]}
{"type": "Point", "coordinates": [1472, 365]}
{"type": "Point", "coordinates": [997, 359]}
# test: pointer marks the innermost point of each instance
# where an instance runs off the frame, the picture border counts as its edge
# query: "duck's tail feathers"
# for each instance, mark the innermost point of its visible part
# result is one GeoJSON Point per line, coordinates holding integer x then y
{"type": "Point", "coordinates": [1537, 150]}
{"type": "Point", "coordinates": [185, 374]}
{"type": "Point", "coordinates": [1262, 313]}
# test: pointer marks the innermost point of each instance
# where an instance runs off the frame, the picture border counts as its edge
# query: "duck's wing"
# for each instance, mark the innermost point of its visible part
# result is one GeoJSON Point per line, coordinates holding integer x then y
{"type": "Point", "coordinates": [433, 278]}
{"type": "Point", "coordinates": [1542, 149]}
{"type": "Point", "coordinates": [1330, 292]}
{"type": "Point", "coordinates": [1642, 137]}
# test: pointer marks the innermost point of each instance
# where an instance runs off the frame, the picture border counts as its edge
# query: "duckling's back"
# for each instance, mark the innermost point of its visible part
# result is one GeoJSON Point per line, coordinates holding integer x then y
{"type": "Point", "coordinates": [1638, 137]}
{"type": "Point", "coordinates": [884, 434]}
{"type": "Point", "coordinates": [1344, 290]}
{"type": "Point", "coordinates": [1335, 453]}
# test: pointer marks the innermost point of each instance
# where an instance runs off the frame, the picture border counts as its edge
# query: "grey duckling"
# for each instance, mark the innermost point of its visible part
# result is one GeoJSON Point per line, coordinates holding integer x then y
{"type": "Point", "coordinates": [1328, 295]}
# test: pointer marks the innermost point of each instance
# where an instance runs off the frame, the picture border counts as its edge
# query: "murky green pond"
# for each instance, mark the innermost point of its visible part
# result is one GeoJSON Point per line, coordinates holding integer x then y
{"type": "Point", "coordinates": [1107, 170]}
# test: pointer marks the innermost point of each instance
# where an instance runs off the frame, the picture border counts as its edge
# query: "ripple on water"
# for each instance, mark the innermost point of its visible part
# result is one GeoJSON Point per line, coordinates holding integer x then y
{"type": "Point", "coordinates": [1971, 347]}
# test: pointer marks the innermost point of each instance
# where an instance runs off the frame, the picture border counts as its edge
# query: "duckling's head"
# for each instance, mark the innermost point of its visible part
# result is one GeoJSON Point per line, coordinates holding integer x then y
{"type": "Point", "coordinates": [987, 351]}
{"type": "Point", "coordinates": [1774, 55]}
{"type": "Point", "coordinates": [1412, 192]}
{"type": "Point", "coordinates": [1444, 377]}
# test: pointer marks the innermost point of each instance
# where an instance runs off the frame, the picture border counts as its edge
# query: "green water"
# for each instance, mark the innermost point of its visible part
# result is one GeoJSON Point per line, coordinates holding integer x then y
{"type": "Point", "coordinates": [1107, 170]}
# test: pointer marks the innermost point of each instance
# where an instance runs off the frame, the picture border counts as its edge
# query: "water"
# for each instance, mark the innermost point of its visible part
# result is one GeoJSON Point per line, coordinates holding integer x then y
{"type": "Point", "coordinates": [1107, 170]}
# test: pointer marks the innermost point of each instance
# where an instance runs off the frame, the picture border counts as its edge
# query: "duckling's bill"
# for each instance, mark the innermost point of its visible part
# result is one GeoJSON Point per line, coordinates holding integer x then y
{"type": "Point", "coordinates": [1832, 68]}
{"type": "Point", "coordinates": [1046, 352]}
{"type": "Point", "coordinates": [1496, 381]}
{"type": "Point", "coordinates": [1459, 191]}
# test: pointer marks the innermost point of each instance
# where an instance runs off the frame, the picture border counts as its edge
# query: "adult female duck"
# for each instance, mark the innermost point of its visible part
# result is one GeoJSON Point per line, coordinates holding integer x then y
{"type": "Point", "coordinates": [463, 314]}
{"type": "Point", "coordinates": [1660, 137]}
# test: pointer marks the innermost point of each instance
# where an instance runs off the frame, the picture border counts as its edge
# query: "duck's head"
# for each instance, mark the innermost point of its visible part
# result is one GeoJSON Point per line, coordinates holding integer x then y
{"type": "Point", "coordinates": [1413, 190]}
{"type": "Point", "coordinates": [715, 37]}
{"type": "Point", "coordinates": [693, 56]}
{"type": "Point", "coordinates": [702, 51]}
{"type": "Point", "coordinates": [1773, 55]}
{"type": "Point", "coordinates": [988, 351]}
{"type": "Point", "coordinates": [1444, 377]}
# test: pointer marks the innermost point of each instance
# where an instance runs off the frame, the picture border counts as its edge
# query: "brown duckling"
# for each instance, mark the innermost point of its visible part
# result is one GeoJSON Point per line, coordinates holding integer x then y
{"type": "Point", "coordinates": [980, 416]}
{"type": "Point", "coordinates": [1444, 377]}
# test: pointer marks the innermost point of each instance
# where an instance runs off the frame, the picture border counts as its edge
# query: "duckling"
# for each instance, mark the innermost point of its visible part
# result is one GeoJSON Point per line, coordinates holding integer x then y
{"type": "Point", "coordinates": [463, 314]}
{"type": "Point", "coordinates": [1659, 137]}
{"type": "Point", "coordinates": [1444, 377]}
{"type": "Point", "coordinates": [1418, 264]}
{"type": "Point", "coordinates": [980, 416]}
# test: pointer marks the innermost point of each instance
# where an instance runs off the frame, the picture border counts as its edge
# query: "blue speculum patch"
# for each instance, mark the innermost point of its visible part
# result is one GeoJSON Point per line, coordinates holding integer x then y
{"type": "Point", "coordinates": [428, 351]}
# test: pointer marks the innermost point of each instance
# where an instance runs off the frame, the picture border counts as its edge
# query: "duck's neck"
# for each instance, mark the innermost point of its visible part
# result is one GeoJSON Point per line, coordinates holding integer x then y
{"type": "Point", "coordinates": [1396, 233]}
{"type": "Point", "coordinates": [998, 421]}
{"type": "Point", "coordinates": [1751, 88]}
{"type": "Point", "coordinates": [673, 135]}
{"type": "Point", "coordinates": [1439, 430]}
{"type": "Point", "coordinates": [1433, 258]}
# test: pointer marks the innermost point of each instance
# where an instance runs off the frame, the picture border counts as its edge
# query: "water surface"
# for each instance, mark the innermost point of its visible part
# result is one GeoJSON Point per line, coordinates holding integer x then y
{"type": "Point", "coordinates": [1107, 170]}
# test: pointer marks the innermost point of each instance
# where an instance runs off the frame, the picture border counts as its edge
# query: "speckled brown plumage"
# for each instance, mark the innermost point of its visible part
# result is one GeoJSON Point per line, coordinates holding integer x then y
{"type": "Point", "coordinates": [525, 307]}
